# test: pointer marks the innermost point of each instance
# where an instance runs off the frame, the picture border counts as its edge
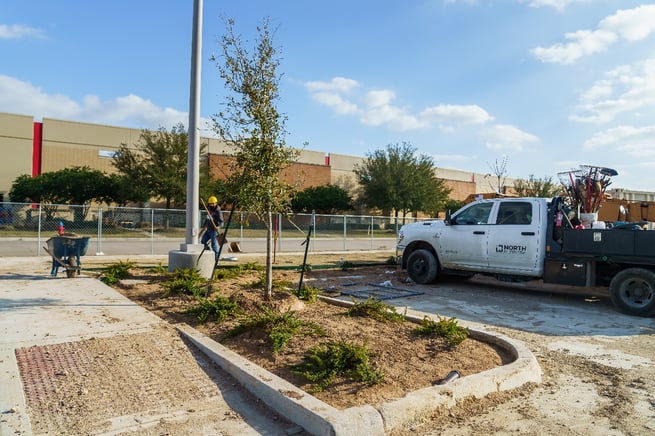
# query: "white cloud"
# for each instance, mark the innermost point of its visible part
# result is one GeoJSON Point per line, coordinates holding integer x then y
{"type": "Point", "coordinates": [506, 137]}
{"type": "Point", "coordinates": [624, 89]}
{"type": "Point", "coordinates": [460, 114]}
{"type": "Point", "coordinates": [17, 31]}
{"type": "Point", "coordinates": [631, 24]}
{"type": "Point", "coordinates": [337, 84]}
{"type": "Point", "coordinates": [560, 5]}
{"type": "Point", "coordinates": [21, 97]}
{"type": "Point", "coordinates": [628, 24]}
{"type": "Point", "coordinates": [635, 141]}
{"type": "Point", "coordinates": [336, 102]}
{"type": "Point", "coordinates": [375, 99]}
{"type": "Point", "coordinates": [380, 111]}
{"type": "Point", "coordinates": [377, 108]}
{"type": "Point", "coordinates": [584, 43]}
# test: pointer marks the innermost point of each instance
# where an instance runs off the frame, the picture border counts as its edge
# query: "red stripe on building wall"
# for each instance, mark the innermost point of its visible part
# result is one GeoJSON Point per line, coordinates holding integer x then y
{"type": "Point", "coordinates": [37, 145]}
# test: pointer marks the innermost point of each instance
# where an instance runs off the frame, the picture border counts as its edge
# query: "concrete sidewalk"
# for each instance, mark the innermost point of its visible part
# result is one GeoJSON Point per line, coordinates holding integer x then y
{"type": "Point", "coordinates": [44, 316]}
{"type": "Point", "coordinates": [40, 315]}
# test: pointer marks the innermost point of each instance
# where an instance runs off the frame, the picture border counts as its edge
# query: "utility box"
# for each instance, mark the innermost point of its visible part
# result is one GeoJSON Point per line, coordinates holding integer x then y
{"type": "Point", "coordinates": [598, 242]}
{"type": "Point", "coordinates": [565, 272]}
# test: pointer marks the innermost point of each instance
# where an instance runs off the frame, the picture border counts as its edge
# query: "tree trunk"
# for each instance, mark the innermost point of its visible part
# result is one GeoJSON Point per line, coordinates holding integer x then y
{"type": "Point", "coordinates": [268, 288]}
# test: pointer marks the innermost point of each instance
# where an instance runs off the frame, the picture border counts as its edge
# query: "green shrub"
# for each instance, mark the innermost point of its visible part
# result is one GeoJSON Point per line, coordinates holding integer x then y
{"type": "Point", "coordinates": [236, 270]}
{"type": "Point", "coordinates": [279, 327]}
{"type": "Point", "coordinates": [446, 328]}
{"type": "Point", "coordinates": [307, 293]}
{"type": "Point", "coordinates": [346, 265]}
{"type": "Point", "coordinates": [116, 271]}
{"type": "Point", "coordinates": [218, 308]}
{"type": "Point", "coordinates": [186, 281]}
{"type": "Point", "coordinates": [392, 261]}
{"type": "Point", "coordinates": [159, 269]}
{"type": "Point", "coordinates": [323, 363]}
{"type": "Point", "coordinates": [376, 309]}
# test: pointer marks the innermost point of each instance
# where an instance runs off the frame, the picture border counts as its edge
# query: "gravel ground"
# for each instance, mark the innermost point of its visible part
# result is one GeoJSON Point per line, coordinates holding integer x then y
{"type": "Point", "coordinates": [599, 369]}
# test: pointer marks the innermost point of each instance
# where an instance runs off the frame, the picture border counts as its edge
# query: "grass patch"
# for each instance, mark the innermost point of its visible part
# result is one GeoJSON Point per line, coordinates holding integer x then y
{"type": "Point", "coordinates": [323, 363]}
{"type": "Point", "coordinates": [279, 327]}
{"type": "Point", "coordinates": [346, 265]}
{"type": "Point", "coordinates": [186, 281]}
{"type": "Point", "coordinates": [115, 272]}
{"type": "Point", "coordinates": [376, 309]}
{"type": "Point", "coordinates": [218, 309]}
{"type": "Point", "coordinates": [307, 293]}
{"type": "Point", "coordinates": [236, 270]}
{"type": "Point", "coordinates": [447, 328]}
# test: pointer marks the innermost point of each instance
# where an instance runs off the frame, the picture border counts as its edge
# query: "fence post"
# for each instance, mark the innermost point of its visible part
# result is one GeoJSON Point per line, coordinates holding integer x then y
{"type": "Point", "coordinates": [99, 244]}
{"type": "Point", "coordinates": [371, 232]}
{"type": "Point", "coordinates": [38, 234]}
{"type": "Point", "coordinates": [313, 228]}
{"type": "Point", "coordinates": [345, 234]}
{"type": "Point", "coordinates": [152, 231]}
{"type": "Point", "coordinates": [279, 232]}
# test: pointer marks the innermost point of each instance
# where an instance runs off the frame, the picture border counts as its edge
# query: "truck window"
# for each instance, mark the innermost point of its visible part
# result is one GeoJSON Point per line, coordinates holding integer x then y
{"type": "Point", "coordinates": [476, 214]}
{"type": "Point", "coordinates": [514, 212]}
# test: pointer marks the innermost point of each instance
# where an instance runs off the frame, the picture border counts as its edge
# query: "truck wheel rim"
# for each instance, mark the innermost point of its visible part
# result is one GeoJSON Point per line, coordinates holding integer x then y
{"type": "Point", "coordinates": [637, 293]}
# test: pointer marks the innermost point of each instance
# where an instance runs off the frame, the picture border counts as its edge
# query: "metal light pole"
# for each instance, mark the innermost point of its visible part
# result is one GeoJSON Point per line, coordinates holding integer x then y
{"type": "Point", "coordinates": [189, 253]}
{"type": "Point", "coordinates": [193, 171]}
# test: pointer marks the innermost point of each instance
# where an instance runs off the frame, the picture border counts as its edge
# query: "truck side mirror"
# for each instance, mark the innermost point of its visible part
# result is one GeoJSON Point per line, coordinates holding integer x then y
{"type": "Point", "coordinates": [447, 218]}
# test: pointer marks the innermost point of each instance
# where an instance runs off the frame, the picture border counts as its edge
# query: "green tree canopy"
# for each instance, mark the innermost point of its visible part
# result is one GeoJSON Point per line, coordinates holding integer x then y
{"type": "Point", "coordinates": [533, 187]}
{"type": "Point", "coordinates": [75, 185]}
{"type": "Point", "coordinates": [328, 199]}
{"type": "Point", "coordinates": [252, 124]}
{"type": "Point", "coordinates": [156, 167]}
{"type": "Point", "coordinates": [395, 179]}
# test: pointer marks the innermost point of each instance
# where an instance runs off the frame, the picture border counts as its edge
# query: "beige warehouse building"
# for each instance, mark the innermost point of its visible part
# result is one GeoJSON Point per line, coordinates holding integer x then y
{"type": "Point", "coordinates": [36, 147]}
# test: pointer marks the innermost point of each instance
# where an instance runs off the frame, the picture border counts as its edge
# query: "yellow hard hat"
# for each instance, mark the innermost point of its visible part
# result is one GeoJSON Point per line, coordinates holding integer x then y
{"type": "Point", "coordinates": [212, 199]}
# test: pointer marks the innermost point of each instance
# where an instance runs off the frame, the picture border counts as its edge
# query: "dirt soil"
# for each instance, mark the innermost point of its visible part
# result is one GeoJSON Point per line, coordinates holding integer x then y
{"type": "Point", "coordinates": [407, 360]}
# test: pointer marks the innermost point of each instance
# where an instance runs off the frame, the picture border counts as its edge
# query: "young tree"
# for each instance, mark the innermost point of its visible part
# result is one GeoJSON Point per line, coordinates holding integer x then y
{"type": "Point", "coordinates": [252, 124]}
{"type": "Point", "coordinates": [327, 199]}
{"type": "Point", "coordinates": [157, 167]}
{"type": "Point", "coordinates": [533, 187]}
{"type": "Point", "coordinates": [499, 170]}
{"type": "Point", "coordinates": [396, 180]}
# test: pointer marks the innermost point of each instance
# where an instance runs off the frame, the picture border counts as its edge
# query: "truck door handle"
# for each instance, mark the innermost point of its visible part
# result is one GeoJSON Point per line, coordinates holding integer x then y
{"type": "Point", "coordinates": [527, 233]}
{"type": "Point", "coordinates": [478, 232]}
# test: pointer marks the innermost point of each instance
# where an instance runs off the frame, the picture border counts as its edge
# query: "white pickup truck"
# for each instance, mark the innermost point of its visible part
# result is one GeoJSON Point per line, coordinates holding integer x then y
{"type": "Point", "coordinates": [531, 238]}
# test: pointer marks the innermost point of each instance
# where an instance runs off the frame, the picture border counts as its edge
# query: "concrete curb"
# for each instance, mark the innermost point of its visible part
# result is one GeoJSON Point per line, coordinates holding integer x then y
{"type": "Point", "coordinates": [320, 418]}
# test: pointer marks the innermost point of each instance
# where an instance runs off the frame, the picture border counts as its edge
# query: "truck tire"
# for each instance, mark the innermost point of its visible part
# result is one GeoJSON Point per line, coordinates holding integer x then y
{"type": "Point", "coordinates": [633, 291]}
{"type": "Point", "coordinates": [422, 267]}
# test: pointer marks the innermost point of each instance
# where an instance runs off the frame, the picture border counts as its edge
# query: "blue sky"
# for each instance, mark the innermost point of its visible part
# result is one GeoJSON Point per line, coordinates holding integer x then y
{"type": "Point", "coordinates": [549, 84]}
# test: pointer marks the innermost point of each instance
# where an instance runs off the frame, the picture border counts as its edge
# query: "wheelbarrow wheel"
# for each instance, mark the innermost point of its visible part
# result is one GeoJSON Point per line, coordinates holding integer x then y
{"type": "Point", "coordinates": [71, 269]}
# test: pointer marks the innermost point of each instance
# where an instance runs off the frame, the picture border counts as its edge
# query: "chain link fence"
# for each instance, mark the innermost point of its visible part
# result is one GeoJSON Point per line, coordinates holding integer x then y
{"type": "Point", "coordinates": [25, 228]}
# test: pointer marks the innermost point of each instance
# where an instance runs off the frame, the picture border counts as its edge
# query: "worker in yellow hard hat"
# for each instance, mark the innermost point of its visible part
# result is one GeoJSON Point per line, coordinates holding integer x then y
{"type": "Point", "coordinates": [213, 222]}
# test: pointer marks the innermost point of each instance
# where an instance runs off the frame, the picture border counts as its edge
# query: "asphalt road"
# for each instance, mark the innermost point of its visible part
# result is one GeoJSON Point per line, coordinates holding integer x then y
{"type": "Point", "coordinates": [161, 246]}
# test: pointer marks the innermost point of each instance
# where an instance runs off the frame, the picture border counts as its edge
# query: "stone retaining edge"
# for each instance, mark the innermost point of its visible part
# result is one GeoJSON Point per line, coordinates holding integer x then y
{"type": "Point", "coordinates": [320, 418]}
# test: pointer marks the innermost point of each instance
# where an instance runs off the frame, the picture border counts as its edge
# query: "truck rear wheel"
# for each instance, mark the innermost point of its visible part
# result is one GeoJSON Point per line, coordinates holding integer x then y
{"type": "Point", "coordinates": [633, 291]}
{"type": "Point", "coordinates": [422, 267]}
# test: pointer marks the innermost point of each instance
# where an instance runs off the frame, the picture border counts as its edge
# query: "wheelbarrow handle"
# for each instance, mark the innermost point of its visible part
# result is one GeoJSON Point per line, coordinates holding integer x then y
{"type": "Point", "coordinates": [56, 258]}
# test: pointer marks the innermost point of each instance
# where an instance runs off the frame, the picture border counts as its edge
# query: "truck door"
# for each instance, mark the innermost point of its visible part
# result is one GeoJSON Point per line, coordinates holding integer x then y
{"type": "Point", "coordinates": [515, 241]}
{"type": "Point", "coordinates": [463, 243]}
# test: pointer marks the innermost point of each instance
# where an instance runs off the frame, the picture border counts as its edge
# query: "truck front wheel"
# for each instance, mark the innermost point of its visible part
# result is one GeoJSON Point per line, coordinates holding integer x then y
{"type": "Point", "coordinates": [633, 291]}
{"type": "Point", "coordinates": [422, 267]}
